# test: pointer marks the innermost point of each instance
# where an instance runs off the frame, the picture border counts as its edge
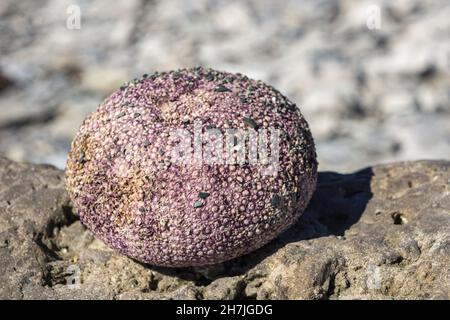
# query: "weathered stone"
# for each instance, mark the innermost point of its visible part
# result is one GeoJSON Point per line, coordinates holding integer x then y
{"type": "Point", "coordinates": [380, 233]}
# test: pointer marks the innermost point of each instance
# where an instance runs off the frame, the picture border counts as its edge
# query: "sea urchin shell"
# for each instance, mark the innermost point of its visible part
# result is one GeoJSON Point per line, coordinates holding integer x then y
{"type": "Point", "coordinates": [132, 193]}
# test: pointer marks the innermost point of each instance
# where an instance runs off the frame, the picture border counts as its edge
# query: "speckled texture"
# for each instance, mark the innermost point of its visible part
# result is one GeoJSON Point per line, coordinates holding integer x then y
{"type": "Point", "coordinates": [129, 194]}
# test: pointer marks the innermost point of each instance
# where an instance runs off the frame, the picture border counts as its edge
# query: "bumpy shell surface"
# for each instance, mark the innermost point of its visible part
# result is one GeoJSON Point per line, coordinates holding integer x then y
{"type": "Point", "coordinates": [131, 195]}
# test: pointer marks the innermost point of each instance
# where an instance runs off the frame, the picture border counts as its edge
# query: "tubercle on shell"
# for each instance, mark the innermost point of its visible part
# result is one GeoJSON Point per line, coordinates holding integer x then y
{"type": "Point", "coordinates": [130, 195]}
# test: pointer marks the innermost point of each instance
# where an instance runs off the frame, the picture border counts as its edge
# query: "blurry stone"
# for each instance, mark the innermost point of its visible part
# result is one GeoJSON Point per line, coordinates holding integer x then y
{"type": "Point", "coordinates": [5, 81]}
{"type": "Point", "coordinates": [71, 114]}
{"type": "Point", "coordinates": [419, 133]}
{"type": "Point", "coordinates": [321, 53]}
{"type": "Point", "coordinates": [103, 79]}
{"type": "Point", "coordinates": [17, 112]}
{"type": "Point", "coordinates": [397, 102]}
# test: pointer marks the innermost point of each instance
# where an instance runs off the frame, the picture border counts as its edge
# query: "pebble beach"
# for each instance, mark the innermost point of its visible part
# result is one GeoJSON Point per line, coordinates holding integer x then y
{"type": "Point", "coordinates": [371, 92]}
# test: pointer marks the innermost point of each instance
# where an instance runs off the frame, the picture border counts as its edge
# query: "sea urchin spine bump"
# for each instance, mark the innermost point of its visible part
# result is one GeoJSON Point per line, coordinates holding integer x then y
{"type": "Point", "coordinates": [227, 197]}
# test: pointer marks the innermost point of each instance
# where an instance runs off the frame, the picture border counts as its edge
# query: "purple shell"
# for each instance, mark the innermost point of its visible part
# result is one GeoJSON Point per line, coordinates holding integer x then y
{"type": "Point", "coordinates": [131, 194]}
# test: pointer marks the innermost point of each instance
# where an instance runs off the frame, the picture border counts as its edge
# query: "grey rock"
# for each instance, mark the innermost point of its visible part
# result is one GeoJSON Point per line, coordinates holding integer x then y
{"type": "Point", "coordinates": [379, 233]}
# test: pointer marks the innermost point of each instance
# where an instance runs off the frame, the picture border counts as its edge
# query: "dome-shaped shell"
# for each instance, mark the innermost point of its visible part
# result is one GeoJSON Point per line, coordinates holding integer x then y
{"type": "Point", "coordinates": [131, 191]}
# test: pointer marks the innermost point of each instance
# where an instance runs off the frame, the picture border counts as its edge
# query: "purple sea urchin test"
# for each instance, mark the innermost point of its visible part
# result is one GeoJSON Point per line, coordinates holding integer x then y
{"type": "Point", "coordinates": [191, 167]}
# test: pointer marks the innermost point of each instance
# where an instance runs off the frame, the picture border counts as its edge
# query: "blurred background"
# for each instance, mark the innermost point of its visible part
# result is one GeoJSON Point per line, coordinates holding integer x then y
{"type": "Point", "coordinates": [371, 77]}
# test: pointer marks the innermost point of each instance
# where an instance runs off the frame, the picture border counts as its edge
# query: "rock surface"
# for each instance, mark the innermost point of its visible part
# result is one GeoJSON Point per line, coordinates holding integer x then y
{"type": "Point", "coordinates": [382, 232]}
